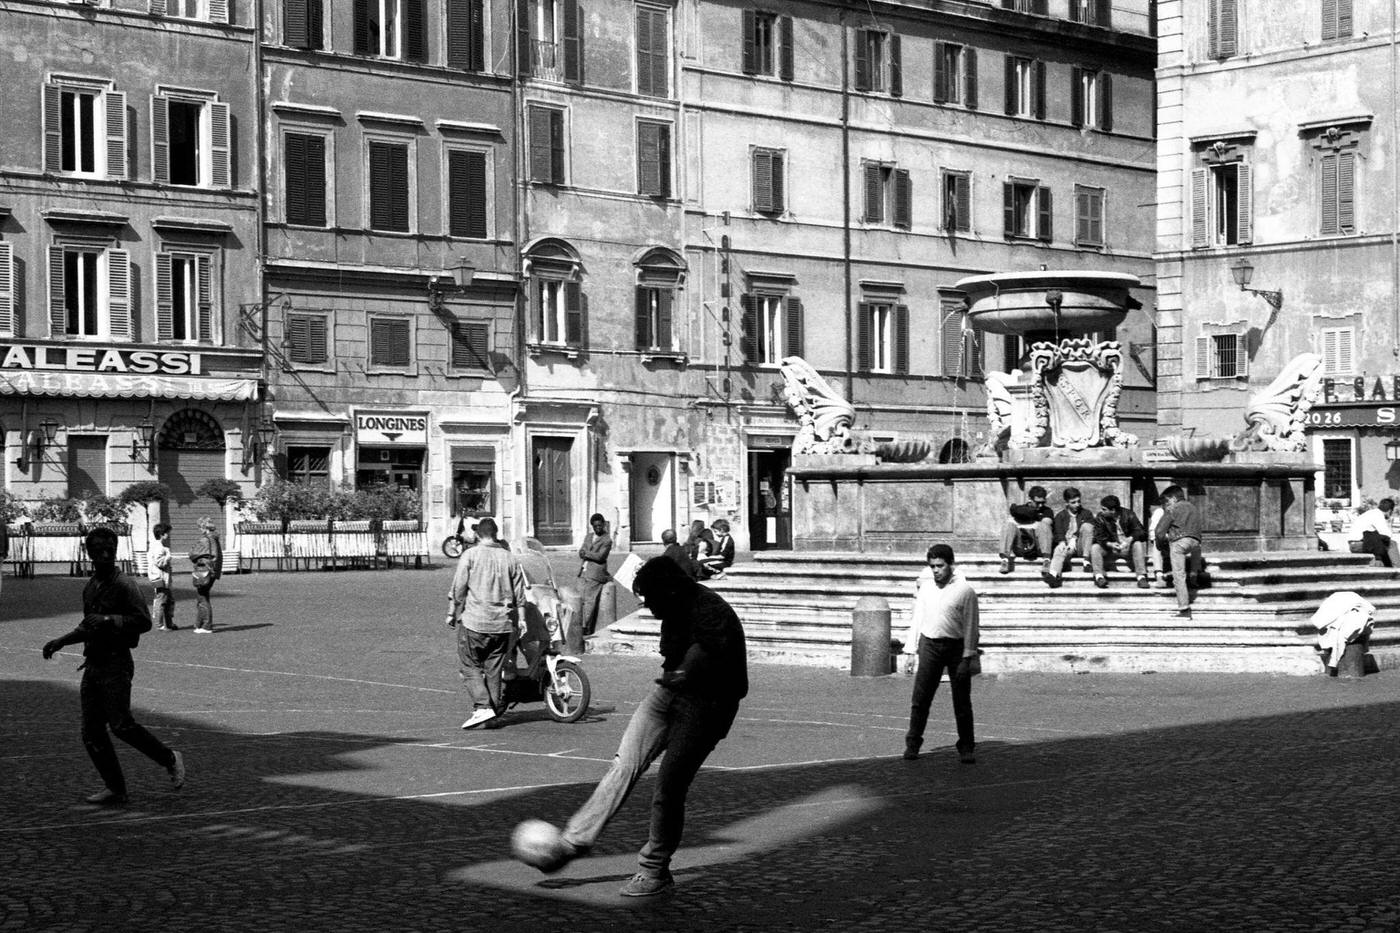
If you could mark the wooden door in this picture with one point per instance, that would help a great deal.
(553, 508)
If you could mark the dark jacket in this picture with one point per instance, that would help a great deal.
(1062, 518)
(706, 639)
(1106, 529)
(1027, 513)
(120, 598)
(683, 560)
(208, 551)
(1180, 521)
(725, 552)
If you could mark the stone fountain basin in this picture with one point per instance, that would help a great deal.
(1017, 302)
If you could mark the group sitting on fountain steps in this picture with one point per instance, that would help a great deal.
(1034, 531)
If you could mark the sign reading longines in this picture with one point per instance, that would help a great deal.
(80, 359)
(394, 428)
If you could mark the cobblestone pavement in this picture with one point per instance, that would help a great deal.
(330, 788)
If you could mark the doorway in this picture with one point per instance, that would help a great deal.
(652, 502)
(190, 451)
(770, 500)
(551, 479)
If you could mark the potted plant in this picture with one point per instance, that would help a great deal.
(144, 498)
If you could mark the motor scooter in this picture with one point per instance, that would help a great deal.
(537, 668)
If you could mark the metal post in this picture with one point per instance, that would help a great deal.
(870, 637)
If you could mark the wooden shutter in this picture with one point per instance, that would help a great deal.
(864, 361)
(903, 199)
(466, 193)
(1009, 85)
(556, 146)
(1344, 19)
(1227, 24)
(53, 128)
(1103, 13)
(1045, 214)
(1008, 208)
(218, 11)
(465, 38)
(157, 7)
(643, 318)
(312, 180)
(862, 60)
(748, 337)
(471, 345)
(785, 64)
(653, 53)
(219, 145)
(1038, 89)
(664, 339)
(165, 299)
(58, 305)
(540, 159)
(398, 164)
(390, 342)
(1200, 220)
(1076, 11)
(294, 24)
(1346, 192)
(940, 73)
(306, 338)
(119, 294)
(748, 62)
(364, 43)
(524, 45)
(204, 297)
(1245, 201)
(874, 192)
(574, 324)
(901, 339)
(1329, 193)
(1076, 96)
(1105, 101)
(116, 134)
(762, 181)
(792, 308)
(650, 170)
(1205, 356)
(969, 56)
(573, 43)
(7, 290)
(777, 192)
(1241, 355)
(643, 38)
(160, 140)
(963, 186)
(415, 40)
(388, 202)
(953, 343)
(896, 67)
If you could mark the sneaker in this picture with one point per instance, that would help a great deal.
(169, 628)
(478, 717)
(177, 771)
(967, 757)
(644, 885)
(1101, 582)
(911, 752)
(1143, 584)
(107, 798)
(1005, 565)
(1051, 580)
(203, 631)
(1184, 613)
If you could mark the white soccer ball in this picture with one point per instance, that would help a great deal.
(536, 842)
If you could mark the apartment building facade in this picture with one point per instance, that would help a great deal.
(1277, 229)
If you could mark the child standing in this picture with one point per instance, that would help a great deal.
(158, 572)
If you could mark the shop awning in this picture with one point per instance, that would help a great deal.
(101, 385)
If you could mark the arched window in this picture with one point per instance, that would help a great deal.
(557, 308)
(660, 275)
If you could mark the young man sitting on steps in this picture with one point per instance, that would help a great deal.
(1118, 534)
(1031, 520)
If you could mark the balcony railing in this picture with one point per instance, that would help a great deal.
(547, 62)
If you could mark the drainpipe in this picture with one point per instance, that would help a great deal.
(846, 202)
(260, 160)
(518, 188)
(1394, 187)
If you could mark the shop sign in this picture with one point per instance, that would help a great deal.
(1367, 416)
(391, 429)
(90, 359)
(1361, 389)
(770, 442)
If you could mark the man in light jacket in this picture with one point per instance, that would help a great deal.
(593, 572)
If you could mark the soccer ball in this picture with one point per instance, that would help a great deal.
(536, 843)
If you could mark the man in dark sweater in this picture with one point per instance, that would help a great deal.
(704, 675)
(1117, 535)
(115, 615)
(1181, 527)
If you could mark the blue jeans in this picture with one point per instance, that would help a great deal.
(105, 694)
(936, 655)
(686, 728)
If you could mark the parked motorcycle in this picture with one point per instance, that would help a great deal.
(537, 668)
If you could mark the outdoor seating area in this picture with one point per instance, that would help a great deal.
(327, 543)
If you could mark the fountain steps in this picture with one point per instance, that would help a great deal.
(797, 607)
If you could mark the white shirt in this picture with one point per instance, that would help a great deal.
(1373, 520)
(948, 611)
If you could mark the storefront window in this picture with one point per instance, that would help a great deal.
(473, 483)
(389, 466)
(309, 465)
(1336, 469)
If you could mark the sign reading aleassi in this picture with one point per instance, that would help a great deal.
(85, 359)
(395, 428)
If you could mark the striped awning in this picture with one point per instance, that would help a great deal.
(105, 385)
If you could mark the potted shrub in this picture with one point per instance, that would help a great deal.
(143, 498)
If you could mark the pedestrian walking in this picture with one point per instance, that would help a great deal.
(943, 630)
(1181, 527)
(704, 675)
(207, 555)
(115, 615)
(485, 604)
(158, 571)
(593, 572)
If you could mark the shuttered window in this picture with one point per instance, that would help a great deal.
(190, 141)
(1222, 28)
(466, 193)
(1028, 210)
(558, 312)
(767, 44)
(77, 276)
(1091, 12)
(653, 52)
(1338, 351)
(1338, 190)
(1336, 19)
(654, 159)
(302, 24)
(307, 338)
(184, 297)
(466, 35)
(954, 74)
(471, 346)
(1088, 216)
(1091, 98)
(304, 179)
(768, 176)
(7, 290)
(389, 342)
(1025, 87)
(1221, 356)
(962, 353)
(1222, 212)
(546, 130)
(84, 130)
(654, 308)
(878, 63)
(773, 328)
(882, 338)
(957, 202)
(390, 29)
(388, 187)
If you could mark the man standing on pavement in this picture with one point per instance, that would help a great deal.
(943, 630)
(593, 573)
(704, 676)
(1181, 527)
(159, 573)
(115, 615)
(484, 604)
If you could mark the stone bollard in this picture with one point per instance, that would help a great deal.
(1353, 660)
(607, 606)
(573, 605)
(870, 637)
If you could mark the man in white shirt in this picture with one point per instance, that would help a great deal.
(1373, 528)
(943, 630)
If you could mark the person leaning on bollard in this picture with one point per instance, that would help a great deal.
(593, 572)
(943, 630)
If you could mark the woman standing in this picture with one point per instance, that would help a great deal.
(207, 555)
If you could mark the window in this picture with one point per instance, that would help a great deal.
(888, 195)
(1222, 25)
(558, 307)
(390, 29)
(7, 290)
(1337, 187)
(466, 194)
(466, 35)
(768, 171)
(1091, 98)
(551, 45)
(1336, 468)
(882, 343)
(1338, 357)
(388, 187)
(304, 179)
(772, 328)
(878, 65)
(1088, 216)
(654, 159)
(189, 140)
(390, 342)
(84, 129)
(654, 313)
(546, 128)
(1026, 6)
(1091, 12)
(306, 338)
(471, 346)
(1336, 19)
(653, 52)
(1221, 195)
(309, 465)
(954, 74)
(962, 354)
(1028, 210)
(473, 469)
(214, 11)
(767, 44)
(957, 201)
(184, 297)
(303, 24)
(89, 292)
(1025, 87)
(1221, 356)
